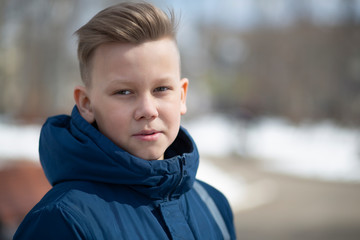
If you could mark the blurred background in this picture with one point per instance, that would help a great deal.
(274, 106)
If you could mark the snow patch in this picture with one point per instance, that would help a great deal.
(240, 193)
(19, 141)
(323, 151)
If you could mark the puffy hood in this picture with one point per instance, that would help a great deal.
(72, 149)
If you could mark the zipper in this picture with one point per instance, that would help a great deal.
(182, 163)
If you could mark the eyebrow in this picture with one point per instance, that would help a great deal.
(120, 81)
(128, 81)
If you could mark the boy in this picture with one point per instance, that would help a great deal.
(121, 166)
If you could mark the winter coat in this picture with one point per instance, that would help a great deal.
(102, 192)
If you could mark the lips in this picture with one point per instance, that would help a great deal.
(146, 132)
(148, 135)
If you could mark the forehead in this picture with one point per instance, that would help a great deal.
(165, 46)
(157, 56)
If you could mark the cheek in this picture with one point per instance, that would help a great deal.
(171, 107)
(118, 119)
(111, 121)
(171, 116)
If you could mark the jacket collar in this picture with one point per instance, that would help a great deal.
(72, 149)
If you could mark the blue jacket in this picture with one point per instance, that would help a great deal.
(102, 192)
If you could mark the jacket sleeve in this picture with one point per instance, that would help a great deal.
(55, 223)
(224, 207)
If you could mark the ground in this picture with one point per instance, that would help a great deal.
(299, 208)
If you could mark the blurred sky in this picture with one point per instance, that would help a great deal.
(245, 14)
(237, 15)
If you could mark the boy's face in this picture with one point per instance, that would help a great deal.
(136, 96)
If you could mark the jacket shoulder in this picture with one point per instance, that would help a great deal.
(222, 205)
(219, 198)
(52, 218)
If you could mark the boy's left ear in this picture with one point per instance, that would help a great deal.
(184, 87)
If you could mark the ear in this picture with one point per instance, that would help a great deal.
(183, 88)
(83, 103)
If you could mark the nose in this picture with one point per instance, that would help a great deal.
(146, 108)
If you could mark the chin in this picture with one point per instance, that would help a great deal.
(150, 156)
(153, 158)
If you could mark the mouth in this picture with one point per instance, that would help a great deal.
(148, 135)
(146, 132)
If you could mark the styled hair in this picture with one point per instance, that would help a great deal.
(123, 23)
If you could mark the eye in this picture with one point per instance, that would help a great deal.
(161, 89)
(123, 92)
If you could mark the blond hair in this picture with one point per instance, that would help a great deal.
(124, 23)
